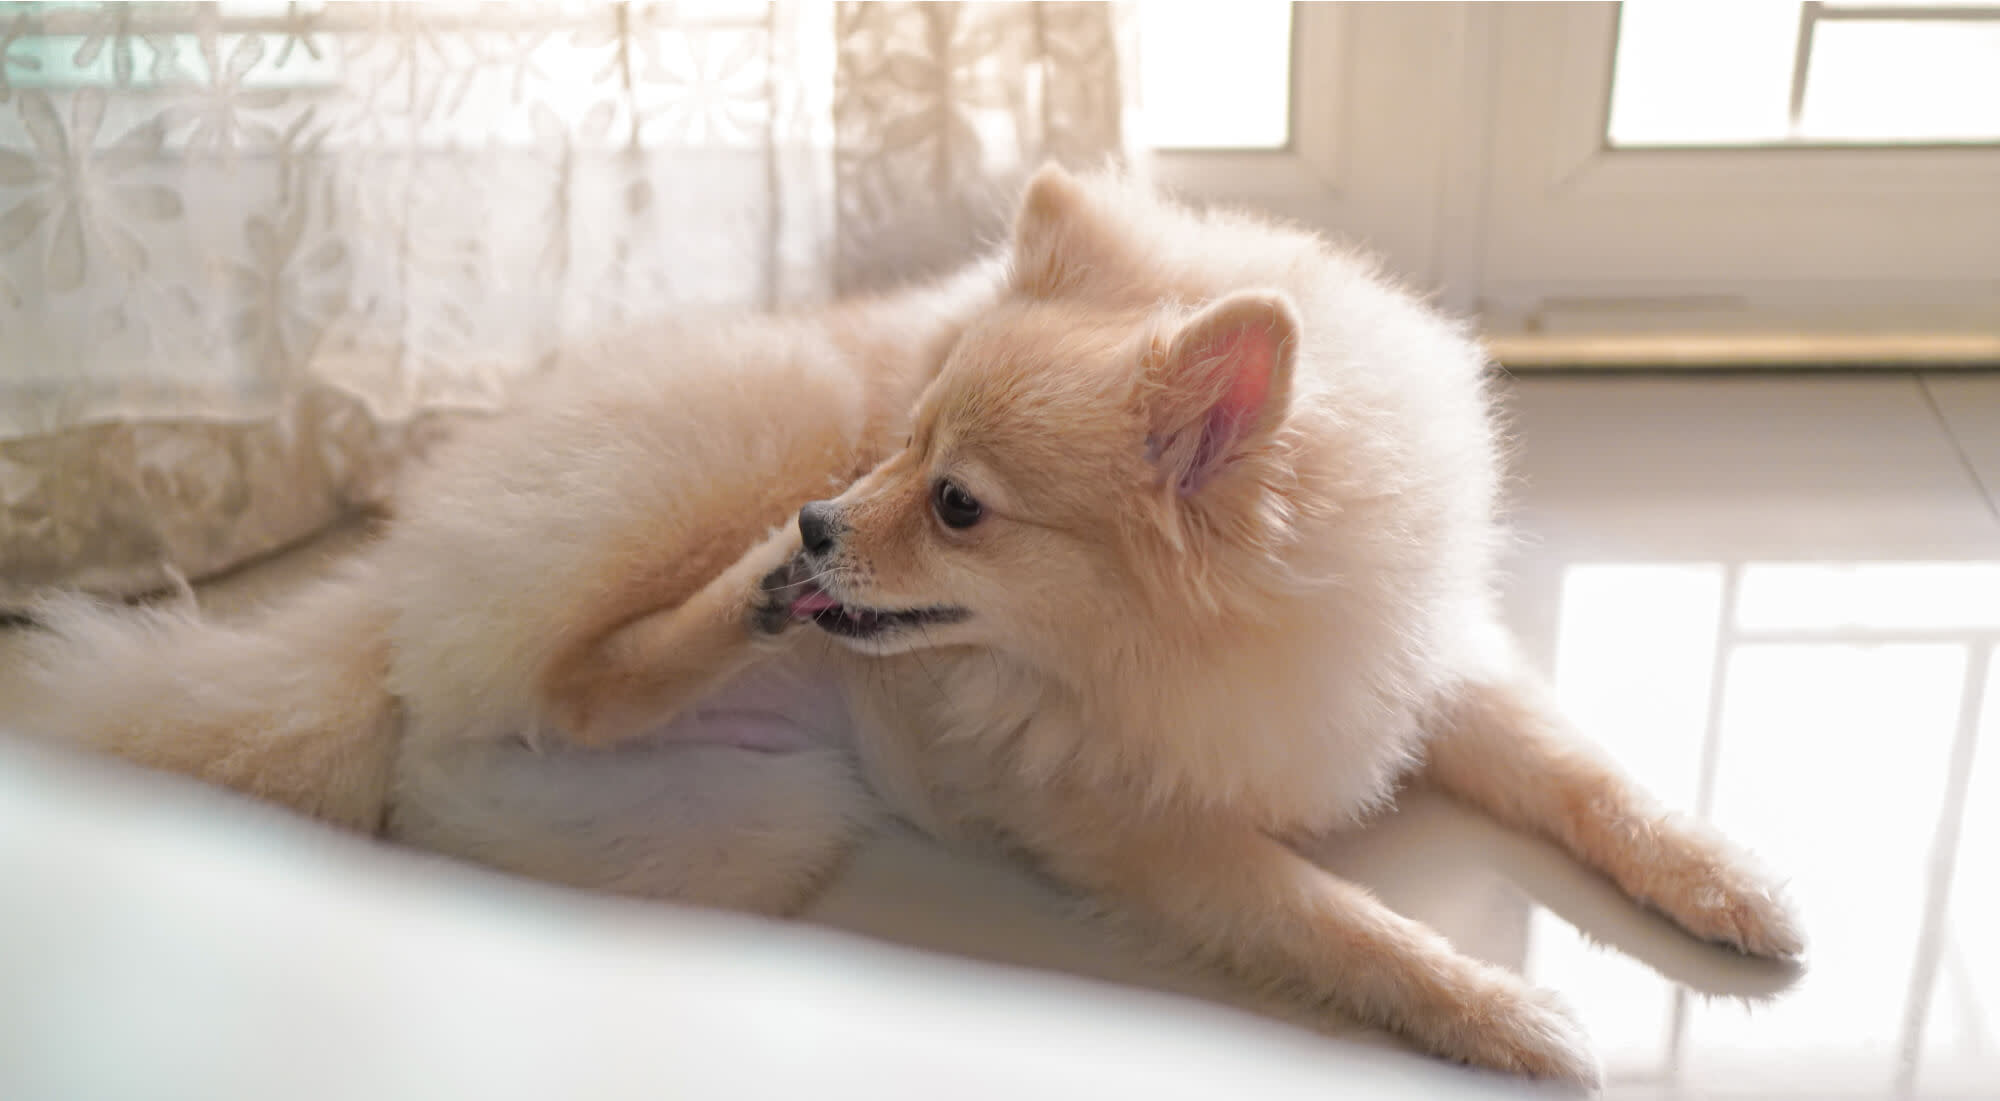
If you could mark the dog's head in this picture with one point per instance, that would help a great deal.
(1100, 455)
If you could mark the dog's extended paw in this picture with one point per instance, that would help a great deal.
(1720, 894)
(1528, 1032)
(1740, 909)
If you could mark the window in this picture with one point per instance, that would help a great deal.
(1695, 72)
(246, 43)
(1216, 76)
(1658, 182)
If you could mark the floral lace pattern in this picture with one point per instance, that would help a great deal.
(251, 252)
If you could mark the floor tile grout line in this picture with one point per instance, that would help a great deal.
(1988, 494)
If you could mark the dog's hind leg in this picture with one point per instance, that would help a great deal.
(1225, 892)
(1501, 746)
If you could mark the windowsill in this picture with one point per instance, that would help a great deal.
(1641, 350)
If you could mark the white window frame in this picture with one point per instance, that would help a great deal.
(1374, 177)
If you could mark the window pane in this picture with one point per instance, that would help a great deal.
(1699, 72)
(1216, 76)
(1879, 81)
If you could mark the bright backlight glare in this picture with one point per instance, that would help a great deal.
(1963, 1022)
(1882, 596)
(1834, 760)
(1634, 656)
(1904, 82)
(1216, 76)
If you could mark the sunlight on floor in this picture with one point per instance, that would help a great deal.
(1826, 715)
(1870, 596)
(1964, 1021)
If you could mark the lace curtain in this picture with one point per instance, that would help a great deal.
(253, 255)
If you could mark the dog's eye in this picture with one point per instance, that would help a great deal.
(955, 507)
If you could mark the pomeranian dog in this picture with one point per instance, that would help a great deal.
(1158, 544)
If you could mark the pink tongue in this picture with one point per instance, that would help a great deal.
(813, 603)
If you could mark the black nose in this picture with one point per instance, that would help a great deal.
(816, 526)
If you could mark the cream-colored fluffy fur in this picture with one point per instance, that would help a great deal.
(405, 694)
(1228, 586)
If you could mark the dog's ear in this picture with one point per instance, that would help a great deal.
(1221, 383)
(1059, 236)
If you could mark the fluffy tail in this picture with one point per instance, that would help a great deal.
(288, 705)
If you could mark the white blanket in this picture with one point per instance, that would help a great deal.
(160, 942)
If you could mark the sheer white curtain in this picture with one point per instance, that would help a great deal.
(254, 254)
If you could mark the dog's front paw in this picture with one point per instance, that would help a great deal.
(1719, 893)
(1742, 909)
(1529, 1032)
(771, 612)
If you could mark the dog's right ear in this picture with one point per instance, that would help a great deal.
(1221, 386)
(1060, 238)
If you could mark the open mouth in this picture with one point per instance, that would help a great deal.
(848, 621)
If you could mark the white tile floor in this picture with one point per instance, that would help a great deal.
(1777, 600)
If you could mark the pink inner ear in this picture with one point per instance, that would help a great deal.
(1245, 354)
